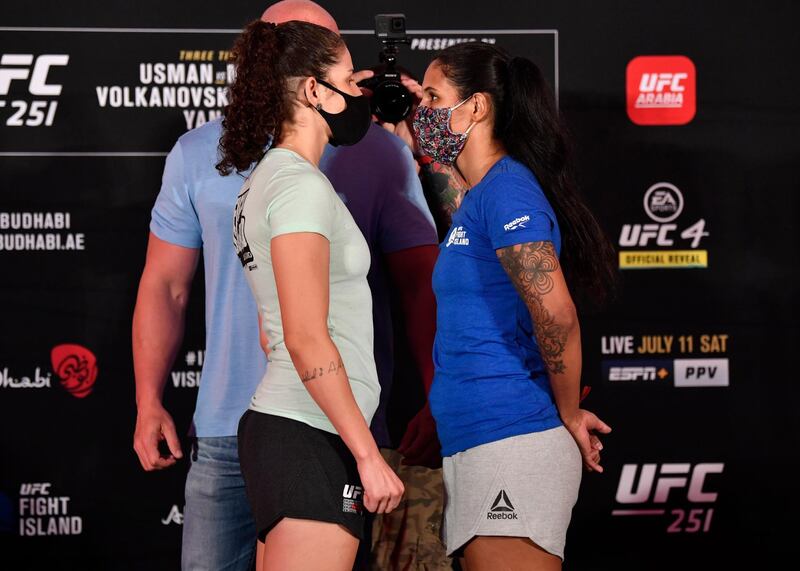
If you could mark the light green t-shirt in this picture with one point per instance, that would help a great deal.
(286, 194)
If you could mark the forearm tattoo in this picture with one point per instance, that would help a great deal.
(332, 369)
(530, 267)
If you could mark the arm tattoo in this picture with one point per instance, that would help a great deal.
(530, 267)
(318, 372)
(444, 190)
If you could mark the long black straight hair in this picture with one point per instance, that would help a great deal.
(528, 125)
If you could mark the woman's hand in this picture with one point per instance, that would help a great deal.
(383, 490)
(581, 426)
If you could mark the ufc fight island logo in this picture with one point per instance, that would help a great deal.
(26, 78)
(661, 90)
(41, 513)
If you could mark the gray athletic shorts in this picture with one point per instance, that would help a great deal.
(522, 486)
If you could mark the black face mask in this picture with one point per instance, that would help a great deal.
(348, 127)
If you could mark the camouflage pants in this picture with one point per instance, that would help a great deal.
(410, 537)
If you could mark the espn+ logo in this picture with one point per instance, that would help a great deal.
(661, 90)
(624, 373)
(33, 71)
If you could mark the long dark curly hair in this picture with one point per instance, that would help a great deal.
(260, 100)
(528, 124)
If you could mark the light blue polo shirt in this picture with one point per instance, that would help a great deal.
(377, 181)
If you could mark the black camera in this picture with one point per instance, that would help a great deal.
(391, 101)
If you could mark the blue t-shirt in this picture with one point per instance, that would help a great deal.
(376, 179)
(490, 381)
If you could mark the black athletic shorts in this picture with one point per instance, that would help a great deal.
(291, 469)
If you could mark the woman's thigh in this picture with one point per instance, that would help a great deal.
(485, 553)
(300, 544)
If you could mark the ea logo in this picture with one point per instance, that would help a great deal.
(663, 202)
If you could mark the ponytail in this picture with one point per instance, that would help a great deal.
(532, 132)
(256, 107)
(266, 56)
(528, 125)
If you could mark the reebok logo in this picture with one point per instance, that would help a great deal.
(517, 223)
(502, 508)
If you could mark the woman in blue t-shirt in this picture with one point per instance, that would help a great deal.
(508, 358)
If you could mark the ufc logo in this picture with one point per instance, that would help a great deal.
(640, 235)
(41, 489)
(352, 491)
(669, 477)
(38, 75)
(656, 82)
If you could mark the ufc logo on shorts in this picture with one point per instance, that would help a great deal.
(656, 482)
(22, 67)
(661, 90)
(352, 491)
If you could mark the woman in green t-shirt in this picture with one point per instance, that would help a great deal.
(309, 461)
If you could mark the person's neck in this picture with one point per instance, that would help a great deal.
(479, 155)
(306, 142)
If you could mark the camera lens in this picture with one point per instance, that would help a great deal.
(391, 101)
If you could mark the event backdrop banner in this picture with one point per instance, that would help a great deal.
(684, 120)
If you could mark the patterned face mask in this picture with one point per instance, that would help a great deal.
(432, 130)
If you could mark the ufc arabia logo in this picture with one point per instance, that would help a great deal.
(34, 70)
(661, 90)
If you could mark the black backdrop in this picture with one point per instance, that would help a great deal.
(700, 467)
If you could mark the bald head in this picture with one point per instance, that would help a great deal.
(303, 10)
